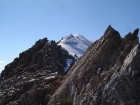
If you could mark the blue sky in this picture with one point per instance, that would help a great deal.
(23, 22)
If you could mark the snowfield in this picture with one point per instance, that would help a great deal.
(75, 44)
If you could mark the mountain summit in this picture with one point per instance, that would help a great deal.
(107, 74)
(75, 44)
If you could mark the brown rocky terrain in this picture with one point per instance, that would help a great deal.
(34, 76)
(107, 74)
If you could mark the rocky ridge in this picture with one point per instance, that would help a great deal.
(34, 76)
(107, 74)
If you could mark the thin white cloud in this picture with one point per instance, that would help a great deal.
(2, 62)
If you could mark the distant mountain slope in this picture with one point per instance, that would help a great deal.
(75, 44)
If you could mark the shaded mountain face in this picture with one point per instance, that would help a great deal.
(33, 77)
(107, 74)
(75, 44)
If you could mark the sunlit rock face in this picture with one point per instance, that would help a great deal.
(107, 74)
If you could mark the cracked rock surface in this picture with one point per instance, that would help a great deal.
(107, 74)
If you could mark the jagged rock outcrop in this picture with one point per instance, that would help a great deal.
(33, 77)
(107, 74)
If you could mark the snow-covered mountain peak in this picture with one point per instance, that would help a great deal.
(79, 36)
(69, 36)
(75, 44)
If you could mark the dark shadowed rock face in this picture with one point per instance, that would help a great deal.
(107, 74)
(33, 77)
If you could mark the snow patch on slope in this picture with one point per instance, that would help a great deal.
(69, 61)
(75, 44)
